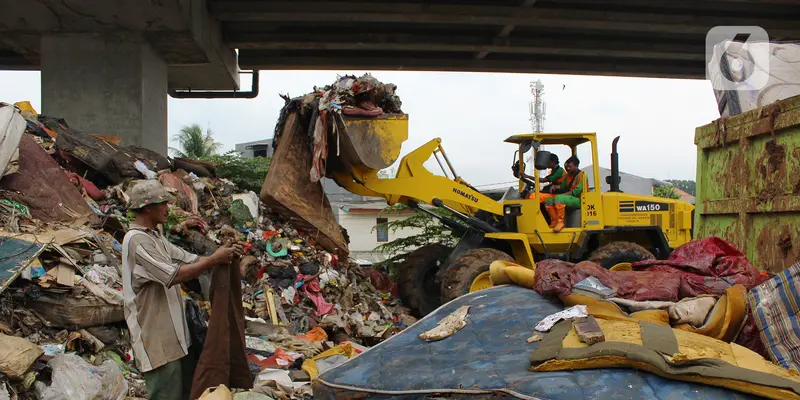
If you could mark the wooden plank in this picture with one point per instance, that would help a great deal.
(65, 275)
(108, 253)
(299, 376)
(588, 330)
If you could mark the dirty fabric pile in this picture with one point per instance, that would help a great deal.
(701, 288)
(63, 214)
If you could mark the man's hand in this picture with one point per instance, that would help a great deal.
(238, 249)
(224, 255)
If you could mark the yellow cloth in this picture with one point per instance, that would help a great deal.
(726, 318)
(310, 365)
(220, 392)
(690, 346)
(723, 322)
(26, 106)
(508, 273)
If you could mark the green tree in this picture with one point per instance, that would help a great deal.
(193, 143)
(667, 192)
(687, 186)
(246, 173)
(429, 228)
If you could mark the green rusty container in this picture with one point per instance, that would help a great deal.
(748, 183)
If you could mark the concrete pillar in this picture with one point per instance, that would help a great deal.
(108, 84)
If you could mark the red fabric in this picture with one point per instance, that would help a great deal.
(89, 187)
(380, 280)
(311, 289)
(281, 360)
(364, 109)
(556, 278)
(706, 266)
(186, 197)
(42, 185)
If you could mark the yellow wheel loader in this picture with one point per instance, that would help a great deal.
(610, 228)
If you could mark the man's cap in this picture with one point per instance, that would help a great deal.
(147, 192)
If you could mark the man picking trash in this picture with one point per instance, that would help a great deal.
(152, 271)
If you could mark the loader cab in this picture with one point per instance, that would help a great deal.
(532, 160)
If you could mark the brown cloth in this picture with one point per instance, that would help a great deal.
(224, 358)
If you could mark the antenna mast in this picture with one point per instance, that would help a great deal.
(538, 108)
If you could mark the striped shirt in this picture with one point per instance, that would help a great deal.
(154, 308)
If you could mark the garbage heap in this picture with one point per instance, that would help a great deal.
(63, 216)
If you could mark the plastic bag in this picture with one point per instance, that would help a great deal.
(75, 379)
(4, 392)
(196, 323)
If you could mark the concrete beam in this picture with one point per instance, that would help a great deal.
(513, 63)
(600, 47)
(426, 13)
(181, 31)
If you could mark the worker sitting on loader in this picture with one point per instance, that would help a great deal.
(553, 180)
(568, 194)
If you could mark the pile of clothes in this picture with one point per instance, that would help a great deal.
(63, 215)
(702, 288)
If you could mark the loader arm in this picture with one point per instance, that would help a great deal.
(414, 182)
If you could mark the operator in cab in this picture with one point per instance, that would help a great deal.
(567, 194)
(554, 179)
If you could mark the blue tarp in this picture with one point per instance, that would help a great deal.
(490, 354)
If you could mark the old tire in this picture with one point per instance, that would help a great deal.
(416, 278)
(460, 275)
(620, 252)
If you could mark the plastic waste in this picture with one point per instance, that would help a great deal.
(592, 286)
(573, 312)
(52, 350)
(141, 167)
(4, 393)
(75, 379)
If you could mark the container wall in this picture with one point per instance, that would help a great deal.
(748, 183)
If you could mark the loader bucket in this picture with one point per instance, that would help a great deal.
(289, 190)
(370, 143)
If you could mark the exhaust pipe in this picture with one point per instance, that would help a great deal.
(614, 179)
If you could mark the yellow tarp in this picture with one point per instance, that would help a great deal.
(344, 349)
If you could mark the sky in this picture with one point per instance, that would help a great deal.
(474, 112)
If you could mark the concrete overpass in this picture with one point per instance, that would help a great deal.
(107, 66)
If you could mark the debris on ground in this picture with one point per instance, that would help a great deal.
(447, 326)
(573, 312)
(537, 337)
(63, 214)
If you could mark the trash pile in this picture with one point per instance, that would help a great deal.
(63, 215)
(348, 96)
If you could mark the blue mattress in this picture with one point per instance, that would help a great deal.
(489, 357)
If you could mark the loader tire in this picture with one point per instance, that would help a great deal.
(620, 252)
(460, 275)
(416, 278)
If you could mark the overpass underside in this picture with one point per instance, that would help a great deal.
(651, 38)
(107, 66)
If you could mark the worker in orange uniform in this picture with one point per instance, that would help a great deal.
(554, 180)
(568, 196)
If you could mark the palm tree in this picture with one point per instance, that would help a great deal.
(194, 143)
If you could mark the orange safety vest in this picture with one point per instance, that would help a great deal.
(573, 184)
(559, 180)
